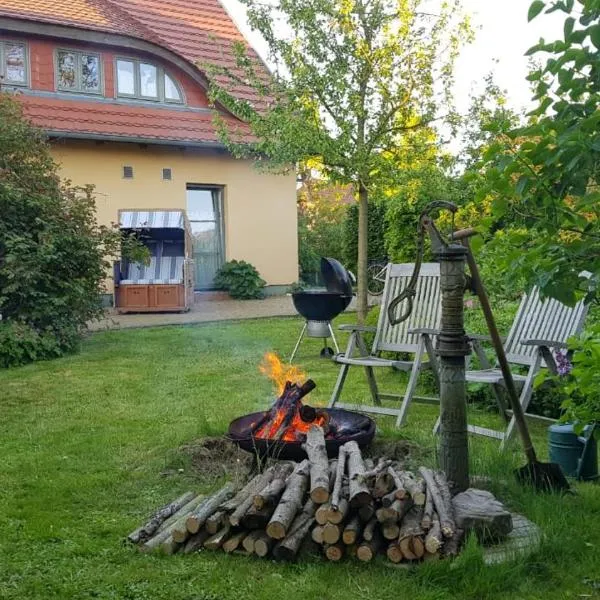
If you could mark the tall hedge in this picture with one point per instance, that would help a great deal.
(53, 253)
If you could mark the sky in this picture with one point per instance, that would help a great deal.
(502, 37)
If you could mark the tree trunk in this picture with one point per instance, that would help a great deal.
(363, 252)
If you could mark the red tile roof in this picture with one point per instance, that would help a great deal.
(200, 31)
(114, 121)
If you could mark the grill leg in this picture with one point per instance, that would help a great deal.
(337, 348)
(298, 343)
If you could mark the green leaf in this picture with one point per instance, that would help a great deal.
(595, 35)
(535, 9)
(568, 28)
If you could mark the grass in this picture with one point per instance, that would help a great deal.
(84, 439)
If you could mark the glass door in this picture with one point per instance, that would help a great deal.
(205, 212)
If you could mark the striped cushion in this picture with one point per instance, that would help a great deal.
(166, 270)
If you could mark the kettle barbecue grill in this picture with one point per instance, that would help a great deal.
(319, 306)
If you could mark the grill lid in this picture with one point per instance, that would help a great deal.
(337, 278)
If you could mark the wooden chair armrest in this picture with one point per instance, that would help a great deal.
(547, 343)
(477, 337)
(424, 331)
(359, 328)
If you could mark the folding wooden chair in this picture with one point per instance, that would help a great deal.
(539, 327)
(412, 336)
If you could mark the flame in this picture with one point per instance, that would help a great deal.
(279, 373)
(296, 430)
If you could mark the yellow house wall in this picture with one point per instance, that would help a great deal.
(260, 220)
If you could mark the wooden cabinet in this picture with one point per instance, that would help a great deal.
(150, 298)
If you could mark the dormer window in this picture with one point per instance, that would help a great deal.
(13, 63)
(146, 81)
(78, 72)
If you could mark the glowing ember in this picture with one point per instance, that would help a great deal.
(279, 373)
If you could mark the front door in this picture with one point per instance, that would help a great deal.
(205, 212)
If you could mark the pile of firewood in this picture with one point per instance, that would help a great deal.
(348, 506)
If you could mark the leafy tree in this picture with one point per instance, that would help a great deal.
(53, 254)
(543, 180)
(351, 78)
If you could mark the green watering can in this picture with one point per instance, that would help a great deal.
(577, 455)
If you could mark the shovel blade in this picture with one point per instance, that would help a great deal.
(546, 477)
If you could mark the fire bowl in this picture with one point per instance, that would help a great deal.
(347, 426)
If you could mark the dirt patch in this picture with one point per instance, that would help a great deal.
(405, 452)
(216, 457)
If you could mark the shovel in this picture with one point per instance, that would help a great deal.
(542, 476)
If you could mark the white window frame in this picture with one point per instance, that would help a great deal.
(137, 84)
(78, 89)
(4, 82)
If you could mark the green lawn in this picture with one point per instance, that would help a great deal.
(84, 439)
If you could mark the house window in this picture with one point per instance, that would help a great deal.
(146, 81)
(167, 175)
(13, 63)
(127, 172)
(78, 71)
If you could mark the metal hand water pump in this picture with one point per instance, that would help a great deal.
(452, 343)
(452, 347)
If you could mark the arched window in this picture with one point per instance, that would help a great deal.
(146, 81)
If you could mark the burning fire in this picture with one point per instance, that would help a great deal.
(279, 373)
(288, 419)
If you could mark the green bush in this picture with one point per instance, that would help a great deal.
(241, 280)
(53, 254)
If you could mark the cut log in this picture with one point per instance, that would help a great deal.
(414, 487)
(384, 484)
(288, 548)
(271, 494)
(479, 511)
(366, 512)
(262, 545)
(334, 552)
(337, 516)
(394, 512)
(257, 519)
(352, 531)
(290, 502)
(170, 546)
(394, 553)
(249, 540)
(433, 539)
(319, 464)
(198, 516)
(369, 530)
(444, 488)
(367, 550)
(148, 529)
(370, 475)
(339, 476)
(173, 522)
(196, 541)
(411, 533)
(234, 541)
(322, 514)
(253, 487)
(331, 533)
(317, 534)
(398, 483)
(359, 492)
(242, 508)
(428, 511)
(443, 509)
(452, 546)
(214, 542)
(215, 522)
(390, 530)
